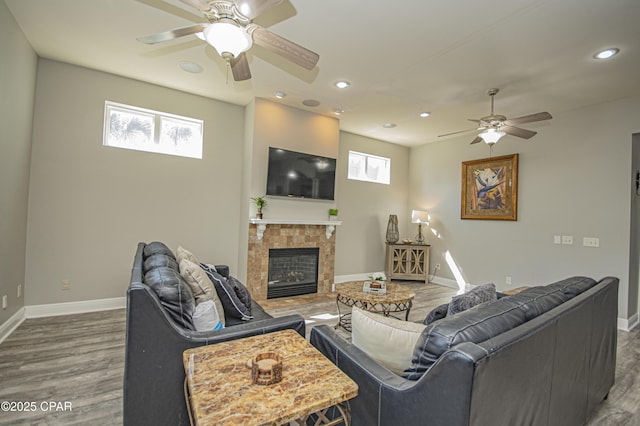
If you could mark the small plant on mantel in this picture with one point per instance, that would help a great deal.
(260, 203)
(333, 214)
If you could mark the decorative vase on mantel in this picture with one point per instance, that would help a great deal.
(259, 213)
(393, 235)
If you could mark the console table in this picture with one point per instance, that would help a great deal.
(407, 262)
(221, 392)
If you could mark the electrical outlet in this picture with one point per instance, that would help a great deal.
(508, 280)
(591, 242)
(66, 284)
(5, 302)
(19, 291)
(567, 240)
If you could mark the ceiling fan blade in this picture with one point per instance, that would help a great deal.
(476, 140)
(517, 131)
(172, 34)
(474, 120)
(240, 68)
(529, 118)
(201, 5)
(283, 47)
(455, 133)
(252, 8)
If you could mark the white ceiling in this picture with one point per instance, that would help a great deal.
(401, 57)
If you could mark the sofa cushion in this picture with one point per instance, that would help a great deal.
(233, 306)
(574, 286)
(389, 341)
(536, 301)
(475, 296)
(159, 259)
(157, 247)
(174, 293)
(475, 325)
(207, 317)
(436, 313)
(200, 284)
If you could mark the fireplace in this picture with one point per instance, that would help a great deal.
(292, 271)
(266, 234)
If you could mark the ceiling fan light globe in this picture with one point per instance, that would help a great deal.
(227, 38)
(491, 136)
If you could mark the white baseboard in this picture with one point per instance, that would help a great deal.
(68, 308)
(353, 277)
(11, 324)
(444, 281)
(628, 324)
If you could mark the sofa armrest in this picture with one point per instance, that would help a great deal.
(250, 328)
(223, 270)
(438, 398)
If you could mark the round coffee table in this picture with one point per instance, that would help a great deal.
(396, 299)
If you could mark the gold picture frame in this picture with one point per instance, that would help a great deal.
(490, 188)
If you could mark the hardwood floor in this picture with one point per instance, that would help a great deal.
(79, 359)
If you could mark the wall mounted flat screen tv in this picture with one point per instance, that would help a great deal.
(295, 174)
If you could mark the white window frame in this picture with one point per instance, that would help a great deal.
(148, 134)
(367, 172)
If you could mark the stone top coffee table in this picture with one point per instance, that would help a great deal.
(396, 299)
(222, 392)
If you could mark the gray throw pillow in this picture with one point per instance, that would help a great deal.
(228, 295)
(436, 313)
(476, 296)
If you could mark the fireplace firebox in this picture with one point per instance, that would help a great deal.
(292, 272)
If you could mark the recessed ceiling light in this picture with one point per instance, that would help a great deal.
(191, 67)
(279, 95)
(389, 125)
(310, 103)
(607, 53)
(338, 111)
(342, 84)
(425, 114)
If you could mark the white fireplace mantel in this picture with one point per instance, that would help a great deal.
(261, 224)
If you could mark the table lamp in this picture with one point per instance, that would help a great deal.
(419, 217)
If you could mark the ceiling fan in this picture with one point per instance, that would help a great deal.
(494, 126)
(231, 32)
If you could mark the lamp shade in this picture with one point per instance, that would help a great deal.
(419, 216)
(491, 136)
(228, 38)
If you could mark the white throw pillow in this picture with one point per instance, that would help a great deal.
(206, 317)
(200, 284)
(182, 253)
(389, 341)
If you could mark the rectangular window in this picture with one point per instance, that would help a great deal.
(369, 168)
(141, 129)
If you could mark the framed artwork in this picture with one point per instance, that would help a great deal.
(490, 188)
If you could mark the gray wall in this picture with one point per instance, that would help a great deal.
(365, 207)
(89, 205)
(574, 179)
(17, 87)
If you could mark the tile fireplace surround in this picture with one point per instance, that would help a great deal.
(268, 234)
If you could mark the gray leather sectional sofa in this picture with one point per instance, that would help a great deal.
(158, 331)
(545, 356)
